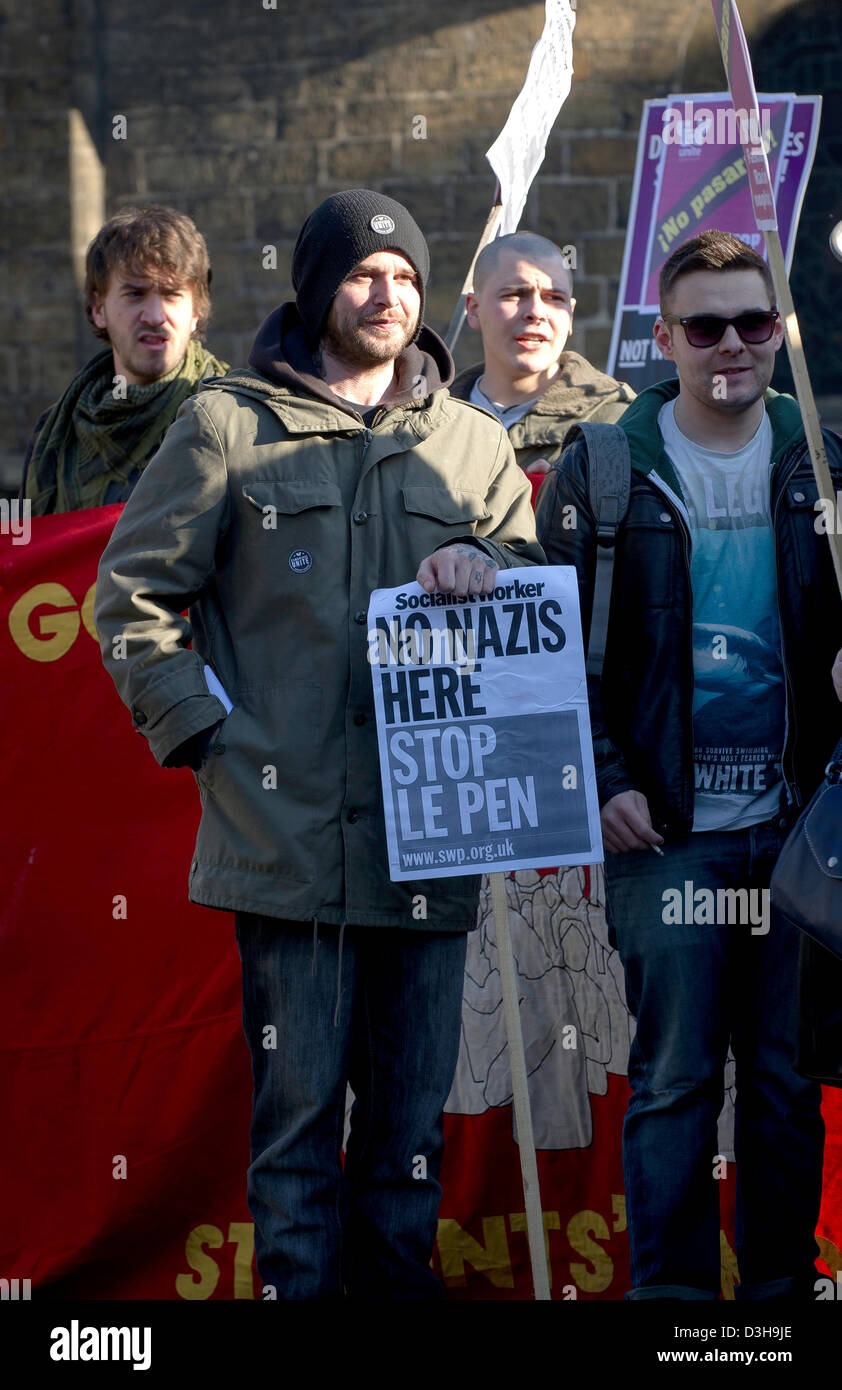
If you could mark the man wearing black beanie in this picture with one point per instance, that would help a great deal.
(344, 230)
(284, 494)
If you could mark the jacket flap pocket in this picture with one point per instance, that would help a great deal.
(446, 504)
(801, 496)
(823, 830)
(648, 511)
(296, 495)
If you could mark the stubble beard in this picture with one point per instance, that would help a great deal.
(358, 348)
(150, 372)
(147, 366)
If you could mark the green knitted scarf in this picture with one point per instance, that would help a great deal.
(92, 439)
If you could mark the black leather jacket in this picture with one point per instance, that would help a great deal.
(641, 711)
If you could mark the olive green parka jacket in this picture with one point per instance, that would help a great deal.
(579, 392)
(273, 511)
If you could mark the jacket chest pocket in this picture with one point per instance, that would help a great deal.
(806, 526)
(648, 552)
(304, 515)
(292, 498)
(437, 514)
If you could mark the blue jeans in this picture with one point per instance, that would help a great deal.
(695, 987)
(392, 1031)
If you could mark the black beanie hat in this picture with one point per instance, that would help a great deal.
(340, 233)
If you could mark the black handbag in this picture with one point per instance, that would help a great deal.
(806, 888)
(818, 1045)
(806, 883)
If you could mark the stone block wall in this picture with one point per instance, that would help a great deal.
(245, 114)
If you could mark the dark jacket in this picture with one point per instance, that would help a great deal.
(642, 710)
(579, 392)
(274, 511)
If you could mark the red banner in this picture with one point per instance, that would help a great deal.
(126, 1082)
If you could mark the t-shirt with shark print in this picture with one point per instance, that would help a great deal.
(739, 710)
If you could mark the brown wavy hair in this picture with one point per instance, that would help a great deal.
(711, 250)
(154, 238)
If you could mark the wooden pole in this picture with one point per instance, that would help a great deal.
(520, 1091)
(488, 234)
(804, 390)
(737, 64)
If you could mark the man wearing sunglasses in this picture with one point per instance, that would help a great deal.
(712, 723)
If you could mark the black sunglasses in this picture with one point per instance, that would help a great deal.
(705, 330)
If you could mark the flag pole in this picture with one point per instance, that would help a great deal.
(518, 152)
(520, 1090)
(489, 232)
(803, 389)
(516, 157)
(737, 63)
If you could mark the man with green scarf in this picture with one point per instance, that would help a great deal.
(147, 294)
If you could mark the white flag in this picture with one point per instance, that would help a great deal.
(518, 152)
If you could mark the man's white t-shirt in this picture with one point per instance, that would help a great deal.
(508, 415)
(739, 709)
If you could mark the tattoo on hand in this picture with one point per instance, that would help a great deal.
(477, 558)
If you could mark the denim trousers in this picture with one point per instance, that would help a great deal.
(379, 1008)
(695, 986)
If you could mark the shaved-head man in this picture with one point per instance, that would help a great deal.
(523, 304)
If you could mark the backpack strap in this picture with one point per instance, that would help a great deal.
(609, 486)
